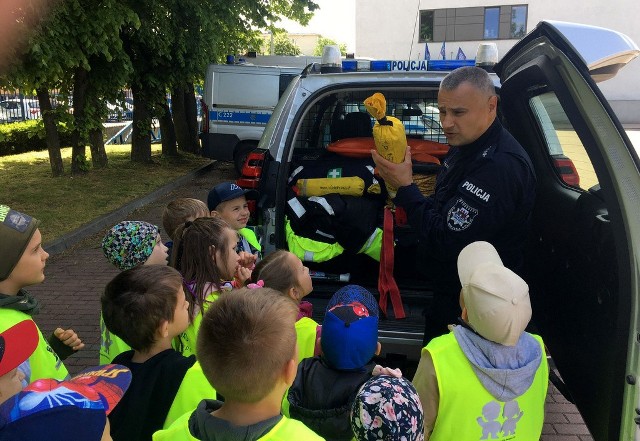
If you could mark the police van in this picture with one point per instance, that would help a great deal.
(583, 253)
(238, 100)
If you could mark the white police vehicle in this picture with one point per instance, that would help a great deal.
(583, 256)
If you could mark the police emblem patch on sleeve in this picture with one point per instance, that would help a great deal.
(460, 216)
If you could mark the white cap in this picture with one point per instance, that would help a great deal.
(496, 298)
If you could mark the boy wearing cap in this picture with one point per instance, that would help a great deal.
(147, 307)
(126, 245)
(22, 262)
(325, 386)
(44, 408)
(247, 348)
(487, 378)
(228, 201)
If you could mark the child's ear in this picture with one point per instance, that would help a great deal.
(163, 329)
(464, 315)
(290, 370)
(378, 349)
(214, 213)
(292, 293)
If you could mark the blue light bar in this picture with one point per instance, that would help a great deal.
(380, 65)
(450, 64)
(349, 65)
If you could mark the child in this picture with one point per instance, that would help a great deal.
(387, 408)
(77, 399)
(247, 347)
(228, 201)
(22, 262)
(284, 272)
(204, 253)
(487, 377)
(126, 245)
(147, 307)
(323, 391)
(179, 211)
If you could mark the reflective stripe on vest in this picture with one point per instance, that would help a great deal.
(309, 250)
(467, 411)
(306, 332)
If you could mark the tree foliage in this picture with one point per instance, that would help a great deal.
(323, 41)
(283, 45)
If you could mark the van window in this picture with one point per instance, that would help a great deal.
(566, 152)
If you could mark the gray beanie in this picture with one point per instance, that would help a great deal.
(16, 230)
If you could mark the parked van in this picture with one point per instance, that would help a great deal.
(238, 101)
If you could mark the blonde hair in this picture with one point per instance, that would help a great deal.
(246, 338)
(180, 210)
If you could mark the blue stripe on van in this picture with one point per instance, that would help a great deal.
(234, 116)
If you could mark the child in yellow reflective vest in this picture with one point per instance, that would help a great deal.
(146, 306)
(285, 272)
(247, 349)
(22, 263)
(487, 378)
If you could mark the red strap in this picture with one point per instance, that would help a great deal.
(400, 217)
(386, 283)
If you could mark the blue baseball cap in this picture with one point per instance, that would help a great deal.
(227, 191)
(349, 336)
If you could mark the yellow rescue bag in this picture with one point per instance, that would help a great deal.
(388, 133)
(348, 186)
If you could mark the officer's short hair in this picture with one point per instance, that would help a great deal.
(476, 76)
(245, 340)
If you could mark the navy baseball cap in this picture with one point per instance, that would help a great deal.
(349, 336)
(227, 191)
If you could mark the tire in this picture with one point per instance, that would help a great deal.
(240, 154)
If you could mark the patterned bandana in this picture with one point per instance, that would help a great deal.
(130, 243)
(387, 408)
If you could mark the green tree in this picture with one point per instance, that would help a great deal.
(283, 45)
(323, 41)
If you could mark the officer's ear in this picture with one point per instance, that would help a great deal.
(493, 103)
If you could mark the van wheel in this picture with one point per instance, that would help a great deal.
(240, 154)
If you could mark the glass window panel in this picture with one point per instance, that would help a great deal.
(518, 21)
(491, 22)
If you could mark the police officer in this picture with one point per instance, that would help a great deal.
(484, 191)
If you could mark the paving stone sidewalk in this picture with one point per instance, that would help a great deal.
(75, 278)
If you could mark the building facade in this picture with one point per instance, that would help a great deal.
(452, 28)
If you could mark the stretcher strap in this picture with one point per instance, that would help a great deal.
(386, 283)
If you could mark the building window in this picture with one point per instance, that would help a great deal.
(518, 21)
(426, 26)
(491, 23)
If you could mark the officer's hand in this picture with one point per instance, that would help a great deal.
(395, 175)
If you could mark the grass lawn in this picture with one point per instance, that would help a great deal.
(65, 203)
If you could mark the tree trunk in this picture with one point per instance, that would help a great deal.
(98, 153)
(180, 118)
(192, 117)
(51, 132)
(78, 141)
(168, 132)
(140, 139)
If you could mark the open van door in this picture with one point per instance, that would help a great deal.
(584, 250)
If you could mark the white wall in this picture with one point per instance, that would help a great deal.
(390, 30)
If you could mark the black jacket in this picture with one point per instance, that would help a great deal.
(321, 397)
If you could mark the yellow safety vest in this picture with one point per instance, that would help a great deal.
(194, 388)
(306, 332)
(110, 344)
(44, 362)
(286, 430)
(309, 250)
(467, 411)
(188, 337)
(248, 234)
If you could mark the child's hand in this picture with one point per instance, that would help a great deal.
(381, 370)
(69, 338)
(247, 260)
(242, 275)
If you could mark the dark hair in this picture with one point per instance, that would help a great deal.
(137, 301)
(276, 272)
(194, 257)
(476, 76)
(243, 326)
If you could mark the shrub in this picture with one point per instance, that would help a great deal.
(29, 136)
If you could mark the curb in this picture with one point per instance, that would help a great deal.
(70, 239)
